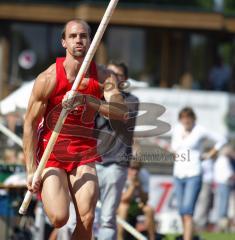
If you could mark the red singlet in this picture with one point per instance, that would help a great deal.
(75, 145)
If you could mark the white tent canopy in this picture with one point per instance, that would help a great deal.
(18, 100)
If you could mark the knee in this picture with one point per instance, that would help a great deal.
(59, 220)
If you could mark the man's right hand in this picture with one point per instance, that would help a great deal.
(69, 102)
(33, 185)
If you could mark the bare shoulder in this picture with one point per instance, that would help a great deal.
(45, 82)
(49, 76)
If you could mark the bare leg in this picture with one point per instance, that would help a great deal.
(122, 213)
(149, 216)
(84, 191)
(188, 227)
(53, 235)
(55, 196)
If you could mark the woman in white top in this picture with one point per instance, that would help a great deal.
(187, 144)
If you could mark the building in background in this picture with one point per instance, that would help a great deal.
(168, 43)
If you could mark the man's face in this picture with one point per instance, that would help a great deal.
(77, 39)
(118, 71)
(187, 122)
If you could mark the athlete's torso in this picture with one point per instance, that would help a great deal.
(75, 138)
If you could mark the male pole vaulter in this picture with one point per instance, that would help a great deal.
(65, 174)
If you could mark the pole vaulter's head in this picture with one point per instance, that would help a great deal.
(76, 37)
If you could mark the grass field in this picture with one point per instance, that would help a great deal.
(211, 236)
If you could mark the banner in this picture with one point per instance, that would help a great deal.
(214, 110)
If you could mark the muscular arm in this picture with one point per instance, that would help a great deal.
(42, 89)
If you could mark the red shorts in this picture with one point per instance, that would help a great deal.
(69, 166)
(64, 158)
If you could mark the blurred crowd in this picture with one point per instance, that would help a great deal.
(220, 78)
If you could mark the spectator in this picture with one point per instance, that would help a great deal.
(187, 143)
(186, 81)
(9, 156)
(220, 75)
(223, 189)
(204, 203)
(112, 171)
(134, 199)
